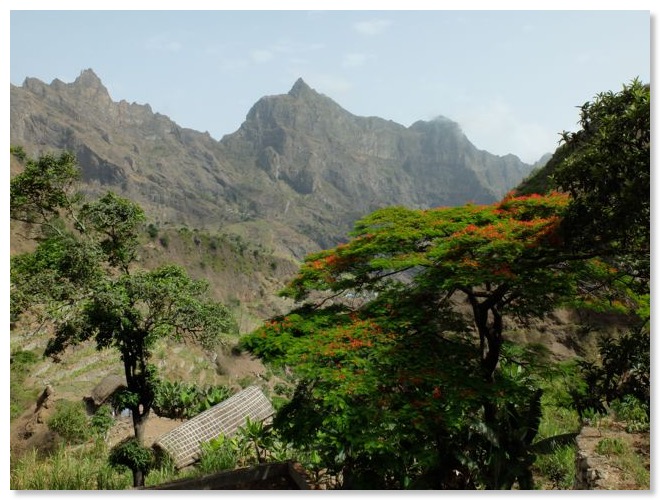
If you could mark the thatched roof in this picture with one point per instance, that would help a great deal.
(106, 388)
(183, 442)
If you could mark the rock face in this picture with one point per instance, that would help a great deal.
(299, 161)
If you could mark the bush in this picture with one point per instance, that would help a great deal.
(221, 453)
(633, 412)
(70, 422)
(624, 372)
(152, 231)
(180, 400)
(131, 454)
(102, 421)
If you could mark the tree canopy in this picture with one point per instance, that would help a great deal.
(84, 281)
(405, 375)
(387, 354)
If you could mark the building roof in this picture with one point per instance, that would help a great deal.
(183, 442)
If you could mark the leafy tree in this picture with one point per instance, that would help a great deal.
(132, 454)
(82, 279)
(623, 370)
(605, 167)
(606, 170)
(393, 334)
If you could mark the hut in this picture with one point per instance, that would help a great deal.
(183, 442)
(104, 391)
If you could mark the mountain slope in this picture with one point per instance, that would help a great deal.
(300, 163)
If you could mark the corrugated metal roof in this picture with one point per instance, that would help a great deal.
(183, 442)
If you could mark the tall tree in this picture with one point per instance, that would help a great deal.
(405, 271)
(82, 278)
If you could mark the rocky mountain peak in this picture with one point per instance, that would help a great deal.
(88, 85)
(299, 160)
(89, 79)
(300, 88)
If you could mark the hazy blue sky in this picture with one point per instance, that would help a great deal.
(511, 79)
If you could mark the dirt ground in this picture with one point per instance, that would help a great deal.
(30, 431)
(609, 475)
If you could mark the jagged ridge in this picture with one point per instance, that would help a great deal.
(299, 161)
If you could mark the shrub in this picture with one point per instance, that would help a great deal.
(70, 422)
(131, 454)
(221, 453)
(182, 401)
(633, 412)
(624, 371)
(102, 421)
(152, 231)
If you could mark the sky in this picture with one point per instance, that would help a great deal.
(513, 80)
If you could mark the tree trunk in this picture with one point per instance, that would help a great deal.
(138, 478)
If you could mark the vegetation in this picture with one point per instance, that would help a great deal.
(70, 422)
(83, 468)
(20, 395)
(401, 352)
(396, 388)
(82, 278)
(183, 401)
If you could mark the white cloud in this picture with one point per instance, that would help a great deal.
(261, 55)
(285, 47)
(496, 128)
(372, 27)
(163, 43)
(354, 60)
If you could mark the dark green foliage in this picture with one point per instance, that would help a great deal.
(102, 421)
(45, 187)
(183, 401)
(81, 279)
(117, 221)
(70, 421)
(152, 231)
(132, 455)
(621, 376)
(607, 171)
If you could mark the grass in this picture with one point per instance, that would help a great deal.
(622, 456)
(82, 468)
(21, 397)
(611, 446)
(556, 470)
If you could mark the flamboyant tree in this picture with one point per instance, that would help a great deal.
(83, 281)
(396, 285)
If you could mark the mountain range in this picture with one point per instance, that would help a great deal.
(295, 176)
